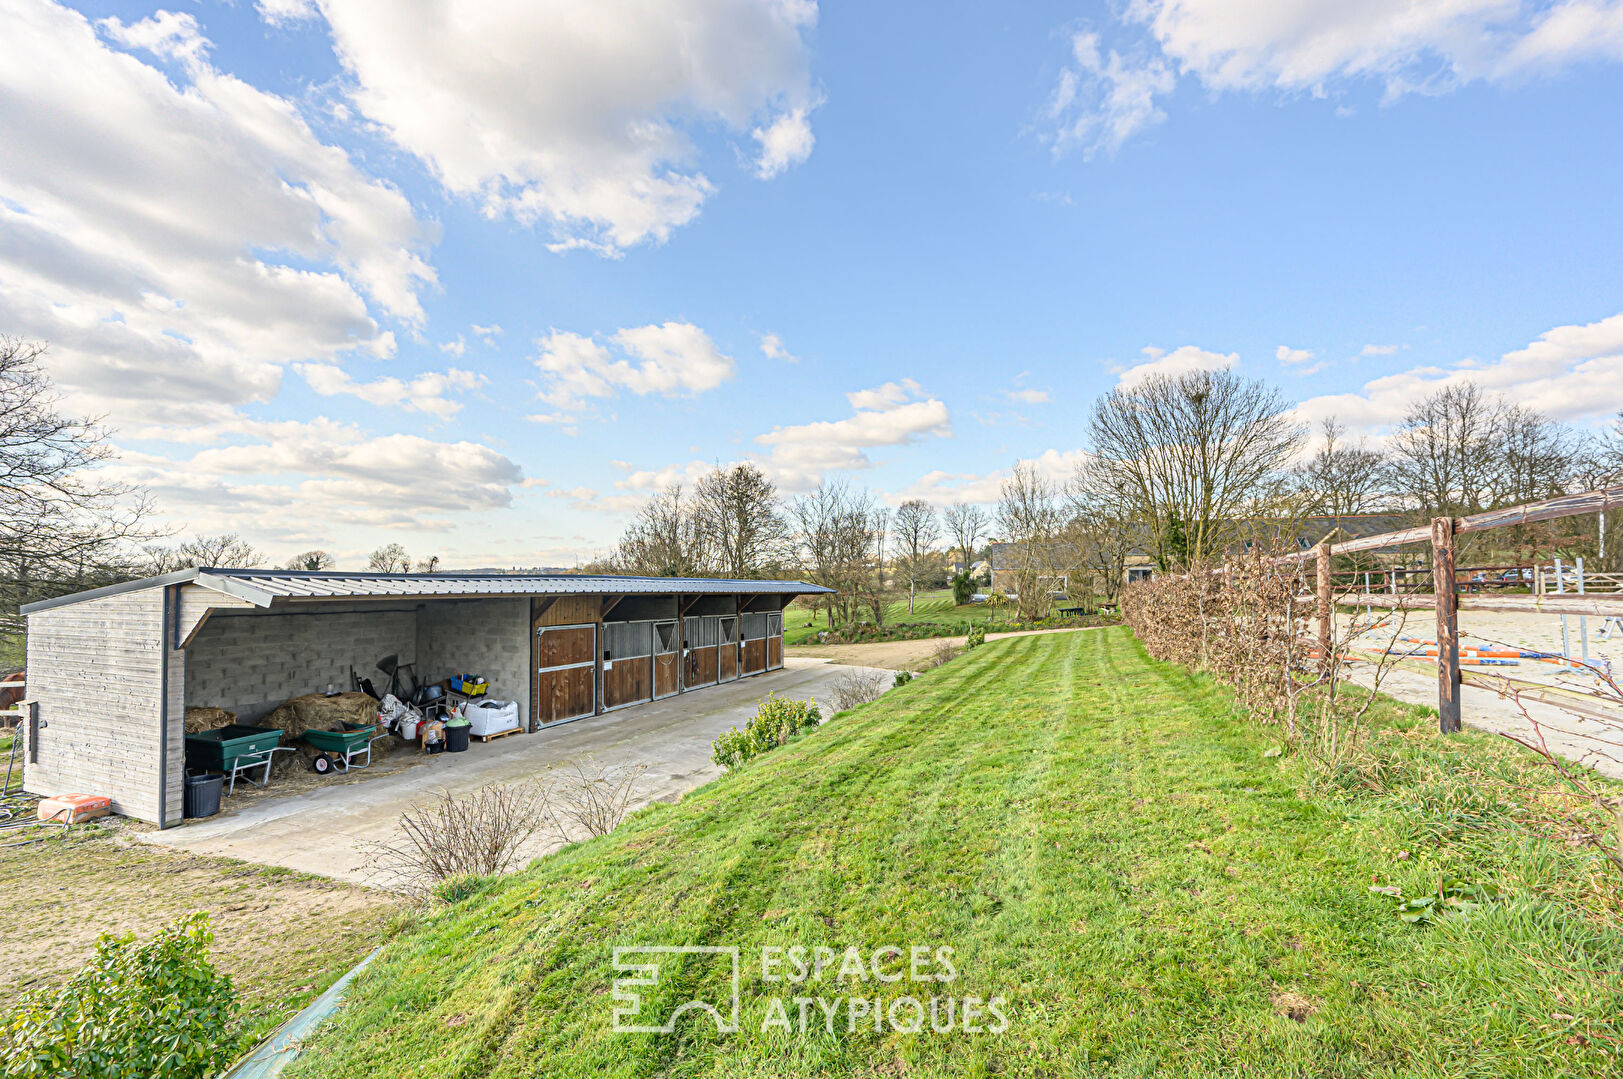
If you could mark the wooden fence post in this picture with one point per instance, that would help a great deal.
(1448, 635)
(1325, 611)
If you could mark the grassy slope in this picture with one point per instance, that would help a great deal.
(927, 607)
(1097, 837)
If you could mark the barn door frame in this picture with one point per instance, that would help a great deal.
(675, 625)
(597, 673)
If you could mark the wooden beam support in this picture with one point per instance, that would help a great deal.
(542, 606)
(1591, 604)
(1448, 628)
(1326, 610)
(609, 604)
(684, 608)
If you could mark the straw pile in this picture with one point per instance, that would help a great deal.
(206, 719)
(315, 711)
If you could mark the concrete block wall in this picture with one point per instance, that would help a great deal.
(251, 663)
(479, 636)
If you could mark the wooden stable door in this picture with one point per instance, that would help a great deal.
(566, 673)
(727, 649)
(667, 655)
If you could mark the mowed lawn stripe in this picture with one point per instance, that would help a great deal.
(1100, 838)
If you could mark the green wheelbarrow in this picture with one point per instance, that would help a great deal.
(340, 749)
(236, 750)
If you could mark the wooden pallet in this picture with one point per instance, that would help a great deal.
(499, 734)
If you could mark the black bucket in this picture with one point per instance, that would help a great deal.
(456, 738)
(202, 796)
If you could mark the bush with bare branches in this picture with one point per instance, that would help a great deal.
(584, 796)
(858, 687)
(482, 834)
(469, 835)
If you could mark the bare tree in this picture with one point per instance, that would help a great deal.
(1031, 519)
(63, 524)
(1443, 452)
(311, 561)
(838, 546)
(1343, 479)
(1103, 527)
(225, 551)
(966, 524)
(1197, 453)
(742, 521)
(665, 538)
(1538, 457)
(390, 558)
(429, 564)
(917, 531)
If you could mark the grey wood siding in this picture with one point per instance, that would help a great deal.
(97, 670)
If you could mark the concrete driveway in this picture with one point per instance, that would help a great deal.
(323, 831)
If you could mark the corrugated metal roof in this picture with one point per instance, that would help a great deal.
(263, 586)
(338, 585)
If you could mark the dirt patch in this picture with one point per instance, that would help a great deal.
(281, 936)
(901, 655)
(1293, 1005)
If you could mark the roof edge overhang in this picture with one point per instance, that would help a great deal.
(240, 585)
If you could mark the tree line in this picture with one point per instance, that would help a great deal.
(1175, 470)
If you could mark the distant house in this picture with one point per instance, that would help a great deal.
(1064, 569)
(1305, 533)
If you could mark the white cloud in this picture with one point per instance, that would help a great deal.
(1292, 356)
(773, 348)
(1378, 350)
(302, 480)
(1570, 373)
(424, 393)
(1177, 362)
(642, 479)
(577, 113)
(487, 334)
(886, 415)
(283, 12)
(1317, 47)
(785, 143)
(455, 348)
(676, 358)
(1102, 100)
(1027, 396)
(171, 35)
(178, 242)
(887, 396)
(941, 488)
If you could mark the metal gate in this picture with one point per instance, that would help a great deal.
(566, 673)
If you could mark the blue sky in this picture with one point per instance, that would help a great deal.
(478, 278)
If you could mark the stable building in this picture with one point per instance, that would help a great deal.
(112, 671)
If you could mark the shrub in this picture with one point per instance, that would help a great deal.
(976, 637)
(962, 589)
(774, 723)
(945, 652)
(474, 835)
(857, 687)
(587, 796)
(148, 1008)
(902, 678)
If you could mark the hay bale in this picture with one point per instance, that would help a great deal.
(316, 711)
(207, 719)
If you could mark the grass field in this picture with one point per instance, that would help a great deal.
(1099, 839)
(927, 607)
